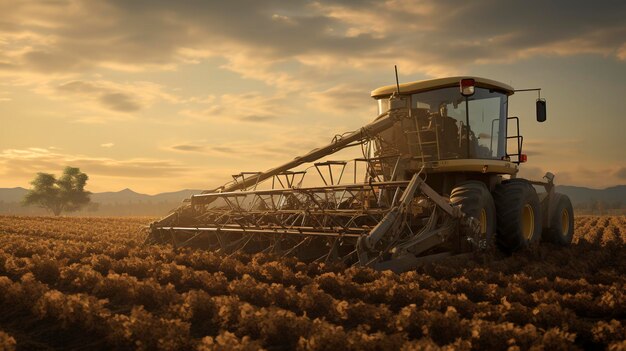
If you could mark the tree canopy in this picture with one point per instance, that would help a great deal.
(65, 194)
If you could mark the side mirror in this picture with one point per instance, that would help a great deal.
(541, 110)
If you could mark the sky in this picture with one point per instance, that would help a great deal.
(165, 95)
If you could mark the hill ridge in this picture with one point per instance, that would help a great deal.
(578, 194)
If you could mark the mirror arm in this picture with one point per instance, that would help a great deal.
(538, 90)
(541, 104)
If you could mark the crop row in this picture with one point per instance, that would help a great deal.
(98, 278)
(228, 319)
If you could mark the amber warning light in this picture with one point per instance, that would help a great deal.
(523, 158)
(467, 87)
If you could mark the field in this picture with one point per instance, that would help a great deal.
(90, 284)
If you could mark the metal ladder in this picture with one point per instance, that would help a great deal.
(420, 145)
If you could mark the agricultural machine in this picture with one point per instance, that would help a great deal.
(435, 176)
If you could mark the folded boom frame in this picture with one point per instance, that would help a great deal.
(381, 222)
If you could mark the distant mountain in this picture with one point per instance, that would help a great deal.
(12, 194)
(125, 202)
(125, 195)
(130, 203)
(177, 196)
(580, 195)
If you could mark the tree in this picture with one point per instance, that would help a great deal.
(57, 195)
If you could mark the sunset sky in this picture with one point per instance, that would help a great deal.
(165, 95)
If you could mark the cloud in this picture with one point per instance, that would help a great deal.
(553, 148)
(107, 145)
(27, 162)
(556, 155)
(600, 177)
(532, 173)
(79, 87)
(119, 102)
(18, 166)
(48, 61)
(188, 147)
(247, 107)
(111, 98)
(621, 53)
(103, 100)
(258, 38)
(317, 56)
(341, 98)
(293, 142)
(238, 149)
(621, 173)
(296, 47)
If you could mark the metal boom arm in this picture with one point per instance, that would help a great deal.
(382, 122)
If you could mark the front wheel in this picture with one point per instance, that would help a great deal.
(518, 215)
(474, 199)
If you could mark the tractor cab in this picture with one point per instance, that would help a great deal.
(449, 124)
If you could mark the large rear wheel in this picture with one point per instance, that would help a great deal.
(518, 215)
(474, 199)
(561, 229)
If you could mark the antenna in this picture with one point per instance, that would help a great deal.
(397, 81)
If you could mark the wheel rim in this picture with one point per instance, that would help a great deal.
(528, 221)
(564, 221)
(483, 223)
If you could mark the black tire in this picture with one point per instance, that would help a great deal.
(476, 201)
(561, 229)
(518, 215)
